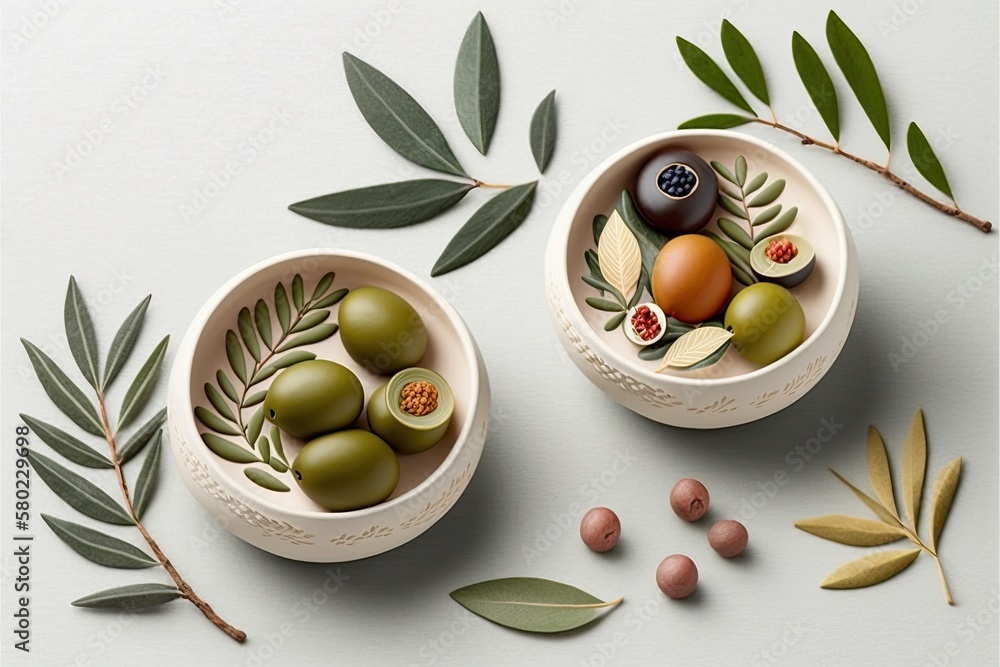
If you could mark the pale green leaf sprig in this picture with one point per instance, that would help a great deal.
(92, 416)
(893, 524)
(858, 70)
(406, 127)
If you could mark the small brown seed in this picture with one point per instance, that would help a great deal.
(677, 576)
(728, 538)
(600, 529)
(689, 499)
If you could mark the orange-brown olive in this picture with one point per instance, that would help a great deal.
(691, 278)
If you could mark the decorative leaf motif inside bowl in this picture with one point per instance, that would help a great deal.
(695, 346)
(619, 256)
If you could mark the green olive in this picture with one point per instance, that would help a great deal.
(347, 470)
(381, 330)
(314, 397)
(767, 322)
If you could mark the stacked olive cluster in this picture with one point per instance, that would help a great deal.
(342, 467)
(677, 575)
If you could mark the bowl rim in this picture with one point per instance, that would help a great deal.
(569, 210)
(197, 327)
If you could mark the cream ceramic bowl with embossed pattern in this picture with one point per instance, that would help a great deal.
(288, 523)
(733, 391)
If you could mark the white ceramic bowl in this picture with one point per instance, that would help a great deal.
(732, 391)
(288, 523)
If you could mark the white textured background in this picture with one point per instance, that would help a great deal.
(117, 220)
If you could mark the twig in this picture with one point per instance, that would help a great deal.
(186, 591)
(955, 211)
(484, 184)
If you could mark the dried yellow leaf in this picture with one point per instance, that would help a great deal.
(619, 255)
(871, 569)
(850, 530)
(942, 496)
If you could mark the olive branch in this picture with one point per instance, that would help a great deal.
(255, 354)
(857, 67)
(82, 494)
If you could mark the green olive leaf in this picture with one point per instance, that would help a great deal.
(870, 570)
(145, 484)
(226, 386)
(531, 604)
(142, 437)
(851, 530)
(737, 254)
(925, 160)
(650, 240)
(255, 425)
(323, 285)
(735, 232)
(859, 70)
(80, 334)
(604, 304)
(123, 342)
(265, 480)
(818, 83)
(782, 223)
(249, 335)
(767, 215)
(740, 170)
(214, 422)
(703, 67)
(141, 388)
(234, 352)
(281, 309)
(724, 171)
(743, 59)
(79, 493)
(255, 399)
(715, 121)
(98, 547)
(755, 183)
(741, 276)
(398, 119)
(314, 335)
(133, 596)
(477, 84)
(63, 391)
(310, 320)
(384, 206)
(543, 131)
(262, 318)
(264, 447)
(768, 194)
(278, 448)
(228, 450)
(67, 445)
(331, 298)
(731, 207)
(487, 227)
(219, 402)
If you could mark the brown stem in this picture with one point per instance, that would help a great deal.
(183, 586)
(944, 582)
(955, 211)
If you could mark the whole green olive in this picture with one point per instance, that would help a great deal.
(767, 322)
(314, 397)
(381, 330)
(347, 470)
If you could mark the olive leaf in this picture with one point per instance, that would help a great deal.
(604, 304)
(214, 422)
(694, 346)
(735, 232)
(99, 547)
(255, 425)
(818, 83)
(650, 240)
(133, 596)
(281, 308)
(862, 532)
(80, 334)
(247, 333)
(615, 320)
(142, 386)
(310, 320)
(228, 450)
(600, 220)
(531, 604)
(942, 496)
(331, 299)
(278, 449)
(262, 318)
(316, 334)
(234, 353)
(743, 59)
(724, 171)
(755, 183)
(384, 206)
(487, 227)
(145, 484)
(783, 222)
(323, 285)
(265, 480)
(477, 84)
(67, 445)
(768, 194)
(715, 121)
(914, 467)
(703, 67)
(870, 570)
(767, 215)
(298, 291)
(142, 437)
(732, 208)
(63, 391)
(123, 342)
(739, 257)
(78, 492)
(878, 471)
(542, 132)
(619, 256)
(851, 530)
(925, 160)
(859, 70)
(398, 119)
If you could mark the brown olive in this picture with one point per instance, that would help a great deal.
(600, 529)
(677, 576)
(728, 538)
(689, 499)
